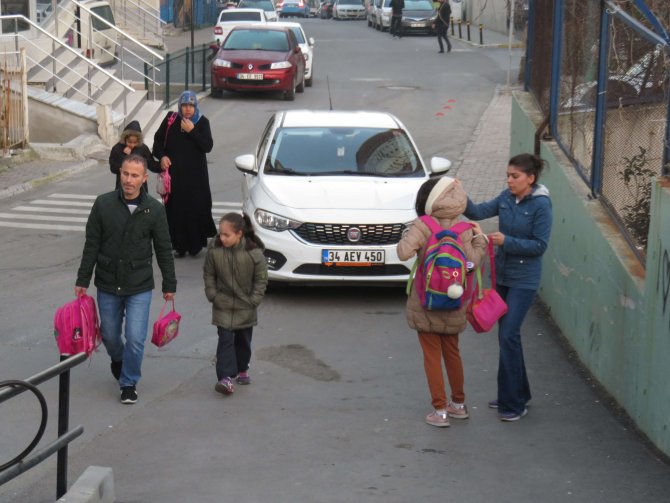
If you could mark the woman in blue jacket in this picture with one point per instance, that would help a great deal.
(524, 222)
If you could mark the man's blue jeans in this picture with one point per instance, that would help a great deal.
(135, 309)
(513, 387)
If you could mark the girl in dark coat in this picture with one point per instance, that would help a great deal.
(181, 144)
(130, 142)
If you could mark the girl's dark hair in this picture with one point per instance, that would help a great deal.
(529, 164)
(422, 195)
(242, 222)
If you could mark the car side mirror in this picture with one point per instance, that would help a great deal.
(246, 163)
(311, 41)
(439, 165)
(214, 47)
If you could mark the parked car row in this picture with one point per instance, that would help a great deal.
(342, 9)
(265, 57)
(418, 16)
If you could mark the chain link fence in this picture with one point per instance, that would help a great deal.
(617, 142)
(634, 128)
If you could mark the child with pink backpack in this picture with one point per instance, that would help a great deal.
(443, 200)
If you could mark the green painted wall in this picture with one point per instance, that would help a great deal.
(615, 314)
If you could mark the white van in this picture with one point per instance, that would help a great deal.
(104, 39)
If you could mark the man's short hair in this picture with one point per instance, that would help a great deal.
(135, 158)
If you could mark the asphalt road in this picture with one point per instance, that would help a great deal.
(335, 411)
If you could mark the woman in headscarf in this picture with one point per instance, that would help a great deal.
(181, 144)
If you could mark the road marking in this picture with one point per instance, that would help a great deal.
(58, 218)
(51, 210)
(45, 227)
(58, 209)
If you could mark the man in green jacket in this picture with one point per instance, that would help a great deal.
(121, 229)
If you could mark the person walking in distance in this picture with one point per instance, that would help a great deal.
(181, 144)
(122, 228)
(524, 218)
(236, 276)
(444, 200)
(396, 18)
(442, 25)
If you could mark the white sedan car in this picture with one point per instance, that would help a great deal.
(306, 45)
(230, 18)
(331, 193)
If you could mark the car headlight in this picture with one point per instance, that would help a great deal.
(274, 222)
(222, 63)
(386, 17)
(280, 64)
(306, 54)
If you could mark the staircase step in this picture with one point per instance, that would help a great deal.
(149, 116)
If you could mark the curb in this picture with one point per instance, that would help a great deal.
(64, 173)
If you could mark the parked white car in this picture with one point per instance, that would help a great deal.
(331, 193)
(306, 45)
(230, 18)
(348, 9)
(267, 5)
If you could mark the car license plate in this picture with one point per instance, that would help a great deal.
(416, 25)
(353, 257)
(250, 76)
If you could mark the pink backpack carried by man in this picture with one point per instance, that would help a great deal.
(76, 327)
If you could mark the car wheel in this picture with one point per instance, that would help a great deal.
(290, 94)
(308, 82)
(215, 92)
(301, 87)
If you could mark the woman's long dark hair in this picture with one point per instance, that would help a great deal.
(242, 222)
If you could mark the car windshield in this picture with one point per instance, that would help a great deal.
(298, 34)
(355, 151)
(259, 40)
(266, 5)
(233, 15)
(418, 5)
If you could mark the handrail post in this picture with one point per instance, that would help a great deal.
(63, 425)
(167, 80)
(186, 68)
(16, 40)
(204, 70)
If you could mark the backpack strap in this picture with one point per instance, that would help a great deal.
(461, 227)
(431, 223)
(170, 121)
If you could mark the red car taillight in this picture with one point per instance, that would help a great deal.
(280, 4)
(301, 4)
(218, 30)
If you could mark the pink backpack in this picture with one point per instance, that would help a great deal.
(441, 277)
(76, 327)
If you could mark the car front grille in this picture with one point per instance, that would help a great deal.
(336, 234)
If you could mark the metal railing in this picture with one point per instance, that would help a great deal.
(183, 70)
(20, 40)
(120, 49)
(14, 104)
(24, 461)
(141, 16)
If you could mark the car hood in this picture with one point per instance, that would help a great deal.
(252, 55)
(342, 193)
(418, 14)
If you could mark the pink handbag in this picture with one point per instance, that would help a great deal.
(487, 307)
(166, 327)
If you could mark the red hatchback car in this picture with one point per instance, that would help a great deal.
(259, 58)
